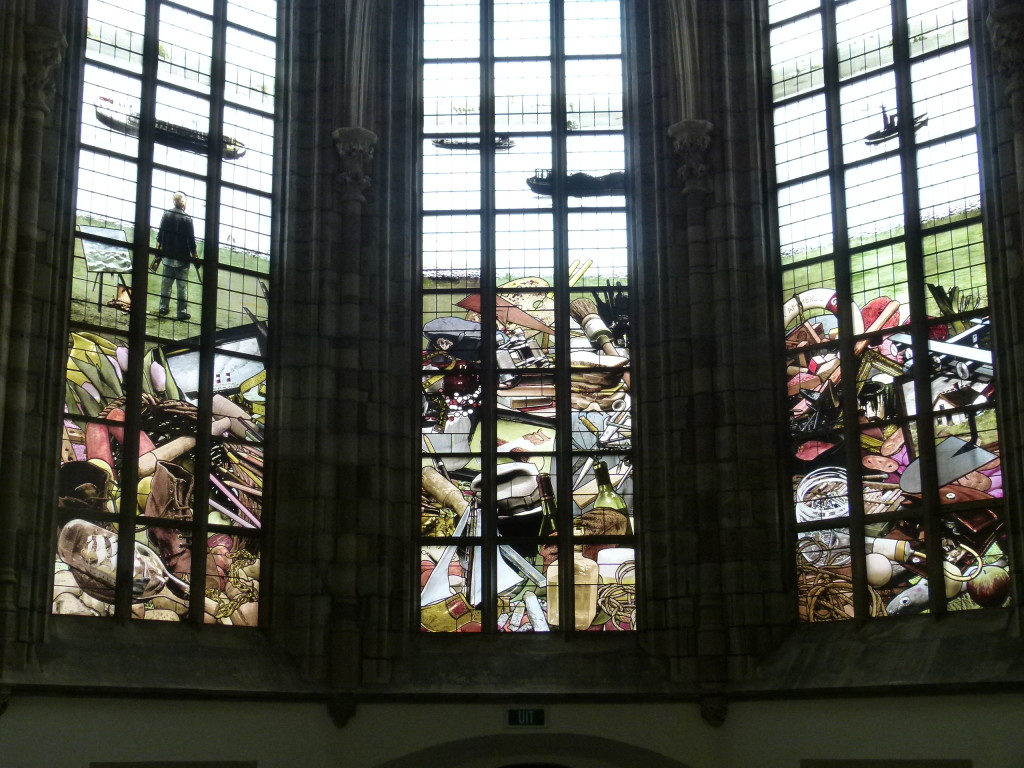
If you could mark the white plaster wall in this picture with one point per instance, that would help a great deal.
(62, 732)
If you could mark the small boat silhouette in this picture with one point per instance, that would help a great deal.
(500, 143)
(579, 184)
(120, 118)
(891, 128)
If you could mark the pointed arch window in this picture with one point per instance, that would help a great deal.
(525, 367)
(895, 452)
(160, 505)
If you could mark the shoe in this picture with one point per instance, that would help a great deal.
(91, 554)
(184, 315)
(162, 311)
(170, 494)
(84, 488)
(170, 497)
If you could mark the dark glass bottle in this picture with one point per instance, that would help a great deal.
(548, 508)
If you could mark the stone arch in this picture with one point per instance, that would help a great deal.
(535, 750)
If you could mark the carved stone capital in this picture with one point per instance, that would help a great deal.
(341, 709)
(713, 709)
(355, 148)
(44, 48)
(691, 139)
(1006, 28)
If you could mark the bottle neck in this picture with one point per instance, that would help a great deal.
(547, 493)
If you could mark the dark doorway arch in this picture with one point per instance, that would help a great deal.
(540, 750)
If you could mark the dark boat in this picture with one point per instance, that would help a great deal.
(891, 128)
(579, 184)
(118, 117)
(500, 143)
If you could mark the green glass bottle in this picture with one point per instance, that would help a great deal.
(607, 498)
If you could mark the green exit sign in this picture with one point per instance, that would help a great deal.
(525, 717)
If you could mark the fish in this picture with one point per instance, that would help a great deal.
(910, 601)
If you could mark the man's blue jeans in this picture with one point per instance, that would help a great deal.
(170, 275)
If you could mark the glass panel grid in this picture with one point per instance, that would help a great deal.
(954, 262)
(451, 175)
(592, 27)
(525, 266)
(868, 111)
(451, 29)
(801, 140)
(956, 364)
(805, 220)
(115, 33)
(94, 501)
(245, 229)
(522, 28)
(797, 281)
(257, 15)
(185, 48)
(599, 240)
(106, 190)
(522, 96)
(594, 94)
(252, 85)
(451, 98)
(525, 246)
(874, 201)
(933, 25)
(864, 36)
(797, 57)
(513, 168)
(182, 131)
(451, 250)
(249, 145)
(110, 111)
(950, 186)
(780, 10)
(880, 274)
(943, 94)
(596, 165)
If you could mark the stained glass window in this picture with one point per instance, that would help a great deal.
(526, 516)
(160, 504)
(897, 498)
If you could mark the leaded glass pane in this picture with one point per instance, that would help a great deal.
(797, 57)
(864, 36)
(155, 236)
(889, 229)
(525, 329)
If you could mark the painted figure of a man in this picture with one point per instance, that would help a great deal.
(176, 247)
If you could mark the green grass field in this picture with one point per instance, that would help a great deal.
(236, 291)
(954, 257)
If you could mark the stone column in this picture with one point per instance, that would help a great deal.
(1006, 259)
(716, 352)
(334, 339)
(42, 49)
(691, 135)
(355, 147)
(360, 47)
(1006, 25)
